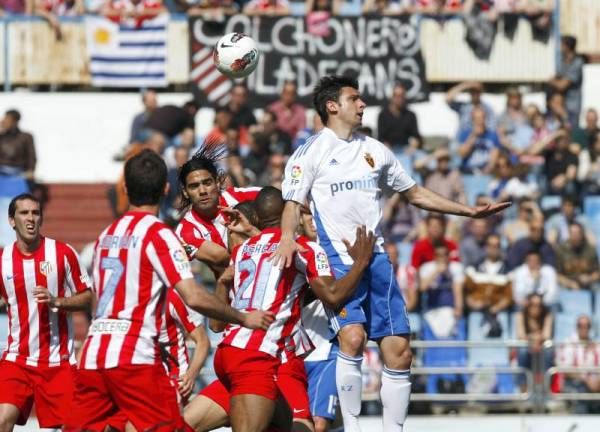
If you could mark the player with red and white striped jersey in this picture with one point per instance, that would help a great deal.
(135, 259)
(41, 280)
(181, 321)
(203, 229)
(246, 362)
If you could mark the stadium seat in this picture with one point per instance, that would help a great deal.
(444, 357)
(404, 252)
(575, 302)
(475, 185)
(591, 207)
(550, 202)
(564, 326)
(497, 356)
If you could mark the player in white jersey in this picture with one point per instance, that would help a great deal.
(343, 175)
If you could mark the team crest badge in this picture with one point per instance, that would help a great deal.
(343, 313)
(46, 268)
(370, 160)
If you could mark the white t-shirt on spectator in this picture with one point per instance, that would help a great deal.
(523, 284)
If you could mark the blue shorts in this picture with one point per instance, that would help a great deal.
(376, 303)
(322, 392)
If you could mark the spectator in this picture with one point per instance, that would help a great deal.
(444, 180)
(479, 145)
(518, 228)
(588, 171)
(332, 7)
(257, 158)
(424, 249)
(273, 175)
(139, 121)
(50, 10)
(586, 136)
(388, 7)
(439, 7)
(211, 10)
(534, 325)
(16, 7)
(132, 12)
(222, 123)
(290, 115)
(17, 149)
(236, 175)
(464, 109)
(514, 131)
(577, 261)
(267, 7)
(154, 141)
(171, 120)
(534, 277)
(472, 246)
(510, 181)
(569, 78)
(581, 351)
(560, 163)
(557, 227)
(307, 132)
(397, 125)
(406, 277)
(400, 220)
(442, 280)
(557, 115)
(536, 242)
(238, 106)
(487, 285)
(271, 137)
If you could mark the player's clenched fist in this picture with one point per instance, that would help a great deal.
(258, 319)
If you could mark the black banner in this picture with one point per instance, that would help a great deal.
(379, 51)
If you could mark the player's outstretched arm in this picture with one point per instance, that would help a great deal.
(196, 297)
(334, 292)
(81, 301)
(223, 285)
(284, 255)
(186, 381)
(428, 200)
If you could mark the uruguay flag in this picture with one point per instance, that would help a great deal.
(125, 55)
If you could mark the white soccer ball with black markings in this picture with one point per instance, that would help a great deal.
(236, 55)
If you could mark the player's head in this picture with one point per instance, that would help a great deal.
(200, 179)
(248, 209)
(25, 217)
(269, 207)
(337, 97)
(145, 179)
(307, 224)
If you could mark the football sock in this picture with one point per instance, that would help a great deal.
(395, 396)
(348, 379)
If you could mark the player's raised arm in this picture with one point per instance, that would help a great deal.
(81, 301)
(290, 220)
(429, 200)
(334, 292)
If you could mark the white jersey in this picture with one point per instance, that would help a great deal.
(344, 181)
(316, 325)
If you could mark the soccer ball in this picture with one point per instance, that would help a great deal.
(236, 55)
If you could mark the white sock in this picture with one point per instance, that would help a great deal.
(395, 396)
(348, 379)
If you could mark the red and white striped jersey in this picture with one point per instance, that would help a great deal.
(135, 258)
(193, 229)
(38, 336)
(260, 285)
(179, 320)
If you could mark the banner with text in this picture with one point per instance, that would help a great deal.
(379, 51)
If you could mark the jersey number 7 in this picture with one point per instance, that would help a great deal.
(114, 264)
